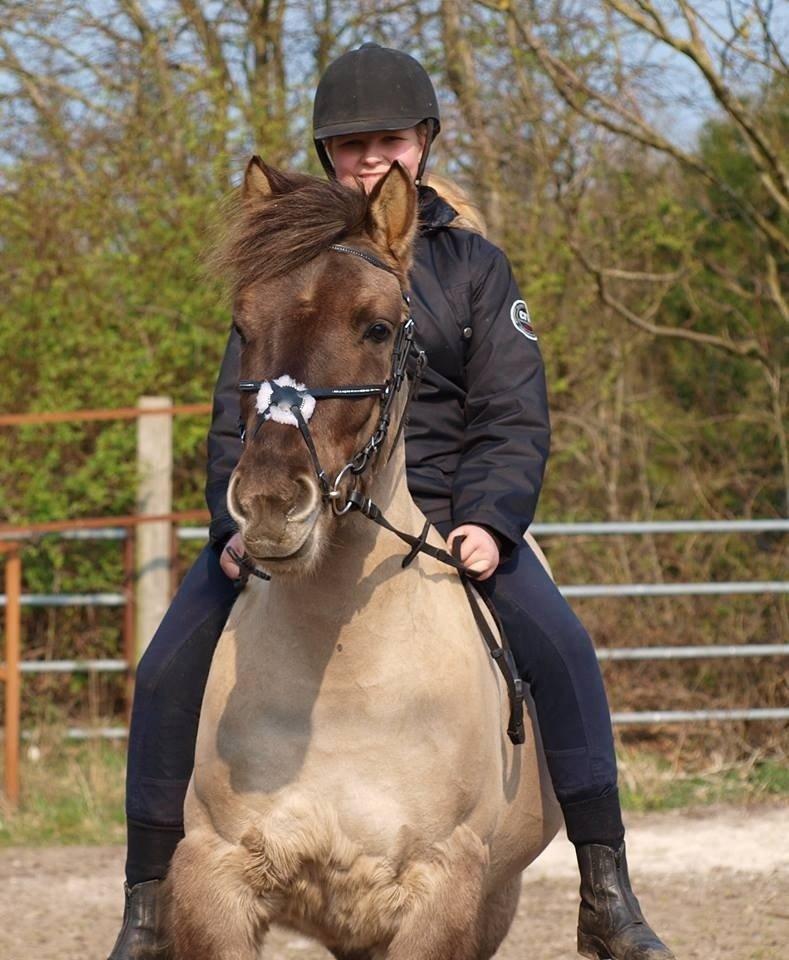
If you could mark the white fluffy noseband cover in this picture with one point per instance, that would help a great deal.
(280, 412)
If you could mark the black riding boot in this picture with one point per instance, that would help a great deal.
(610, 922)
(140, 937)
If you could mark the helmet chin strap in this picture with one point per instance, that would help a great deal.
(431, 126)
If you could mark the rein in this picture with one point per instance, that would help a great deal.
(285, 401)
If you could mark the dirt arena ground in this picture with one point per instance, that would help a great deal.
(714, 883)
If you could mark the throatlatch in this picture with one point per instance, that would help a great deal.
(288, 402)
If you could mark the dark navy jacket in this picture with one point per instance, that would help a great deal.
(478, 431)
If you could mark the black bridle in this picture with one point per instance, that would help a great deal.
(293, 399)
(280, 399)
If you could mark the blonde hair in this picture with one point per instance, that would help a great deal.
(469, 216)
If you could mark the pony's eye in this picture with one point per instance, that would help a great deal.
(240, 332)
(379, 332)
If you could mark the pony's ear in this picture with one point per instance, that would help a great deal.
(262, 181)
(391, 212)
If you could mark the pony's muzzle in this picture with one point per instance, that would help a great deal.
(276, 522)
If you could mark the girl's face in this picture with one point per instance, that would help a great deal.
(368, 156)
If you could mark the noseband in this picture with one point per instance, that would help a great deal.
(286, 401)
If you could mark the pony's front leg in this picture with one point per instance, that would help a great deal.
(211, 912)
(444, 921)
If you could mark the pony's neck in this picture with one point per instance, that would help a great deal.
(359, 545)
(389, 491)
(357, 535)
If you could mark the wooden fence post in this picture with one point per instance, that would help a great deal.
(154, 497)
(11, 674)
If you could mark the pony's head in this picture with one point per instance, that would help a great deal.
(313, 319)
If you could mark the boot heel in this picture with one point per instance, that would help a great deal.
(589, 946)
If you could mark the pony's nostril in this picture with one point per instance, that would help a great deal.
(234, 504)
(305, 501)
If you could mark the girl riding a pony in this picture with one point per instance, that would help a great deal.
(477, 441)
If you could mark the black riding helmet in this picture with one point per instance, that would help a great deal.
(373, 88)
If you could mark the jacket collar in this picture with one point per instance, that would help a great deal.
(434, 211)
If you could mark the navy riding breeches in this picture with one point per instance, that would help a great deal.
(168, 693)
(553, 652)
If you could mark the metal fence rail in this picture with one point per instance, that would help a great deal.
(693, 653)
(69, 600)
(691, 716)
(643, 718)
(200, 533)
(603, 653)
(674, 589)
(580, 528)
(567, 590)
(659, 526)
(585, 590)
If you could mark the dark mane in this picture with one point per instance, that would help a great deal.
(266, 237)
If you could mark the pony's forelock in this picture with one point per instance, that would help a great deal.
(265, 237)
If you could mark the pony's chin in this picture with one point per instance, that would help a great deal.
(301, 560)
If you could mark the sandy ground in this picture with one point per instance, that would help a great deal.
(715, 884)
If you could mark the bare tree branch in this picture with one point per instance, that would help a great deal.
(770, 41)
(773, 173)
(50, 115)
(668, 278)
(774, 286)
(740, 349)
(212, 46)
(153, 48)
(732, 46)
(579, 95)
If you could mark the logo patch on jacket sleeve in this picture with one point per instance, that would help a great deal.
(521, 320)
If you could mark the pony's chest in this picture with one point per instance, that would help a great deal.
(387, 717)
(379, 751)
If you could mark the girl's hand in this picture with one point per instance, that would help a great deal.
(226, 562)
(479, 552)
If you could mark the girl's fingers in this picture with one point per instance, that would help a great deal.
(229, 566)
(476, 554)
(472, 555)
(478, 561)
(468, 547)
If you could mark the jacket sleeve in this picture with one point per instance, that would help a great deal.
(507, 428)
(224, 443)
